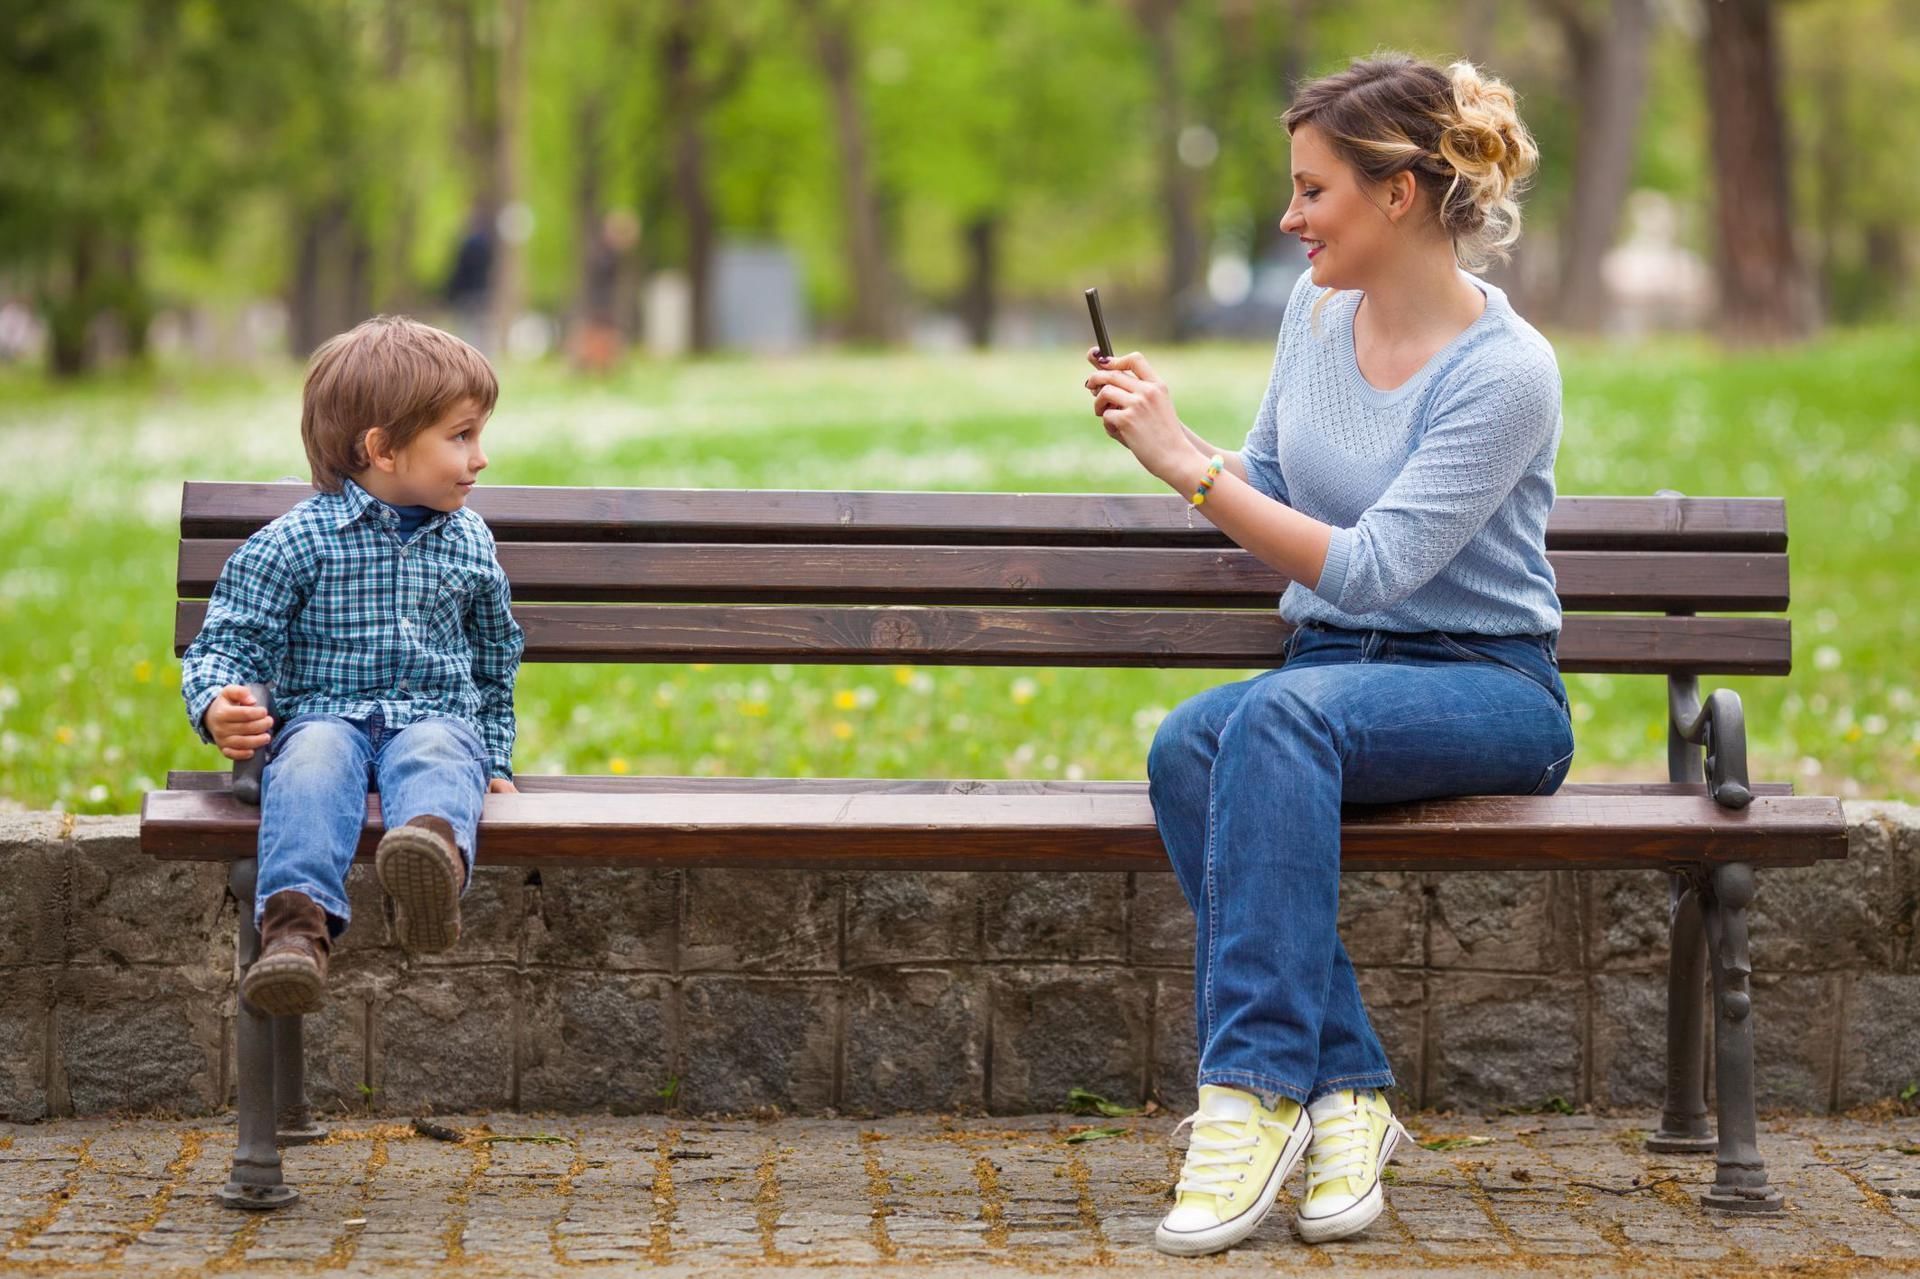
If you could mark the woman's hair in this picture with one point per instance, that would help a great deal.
(1459, 135)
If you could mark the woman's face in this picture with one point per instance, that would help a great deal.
(1345, 227)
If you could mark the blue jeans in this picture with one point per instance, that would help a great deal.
(1247, 782)
(313, 797)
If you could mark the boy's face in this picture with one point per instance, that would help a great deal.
(439, 466)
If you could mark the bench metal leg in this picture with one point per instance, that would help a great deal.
(1684, 1129)
(255, 1180)
(1740, 1184)
(293, 1116)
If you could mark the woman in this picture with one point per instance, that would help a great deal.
(1399, 474)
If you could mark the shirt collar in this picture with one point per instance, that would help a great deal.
(356, 503)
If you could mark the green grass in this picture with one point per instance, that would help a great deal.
(90, 713)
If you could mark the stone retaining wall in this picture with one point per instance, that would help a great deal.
(590, 990)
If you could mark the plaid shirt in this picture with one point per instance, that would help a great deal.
(328, 605)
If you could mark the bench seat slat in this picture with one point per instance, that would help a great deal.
(1118, 577)
(574, 783)
(224, 509)
(1061, 831)
(960, 636)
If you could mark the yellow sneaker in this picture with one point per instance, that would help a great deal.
(1354, 1135)
(1240, 1155)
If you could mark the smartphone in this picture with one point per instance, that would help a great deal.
(1099, 323)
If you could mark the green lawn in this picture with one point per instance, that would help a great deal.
(90, 713)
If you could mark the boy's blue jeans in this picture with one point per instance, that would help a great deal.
(313, 797)
(1247, 782)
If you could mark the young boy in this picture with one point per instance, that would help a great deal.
(377, 609)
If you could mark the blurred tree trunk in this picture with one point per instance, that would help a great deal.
(862, 227)
(1179, 185)
(509, 271)
(1608, 58)
(688, 95)
(978, 297)
(1764, 293)
(68, 305)
(331, 288)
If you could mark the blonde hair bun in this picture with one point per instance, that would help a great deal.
(1458, 132)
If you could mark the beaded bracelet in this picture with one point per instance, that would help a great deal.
(1214, 464)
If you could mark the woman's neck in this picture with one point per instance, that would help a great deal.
(1420, 298)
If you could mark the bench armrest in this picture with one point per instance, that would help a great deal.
(246, 772)
(1719, 726)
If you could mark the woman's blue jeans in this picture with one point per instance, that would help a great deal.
(313, 798)
(1247, 782)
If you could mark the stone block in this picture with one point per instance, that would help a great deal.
(1055, 1029)
(1629, 1039)
(1383, 918)
(1076, 915)
(1497, 1040)
(1855, 914)
(784, 921)
(754, 1042)
(129, 908)
(444, 1041)
(911, 917)
(596, 1041)
(604, 919)
(1161, 923)
(1526, 921)
(26, 1024)
(1629, 916)
(338, 1045)
(33, 889)
(140, 1040)
(1174, 1070)
(1396, 1005)
(493, 917)
(1795, 1022)
(1880, 1055)
(915, 1039)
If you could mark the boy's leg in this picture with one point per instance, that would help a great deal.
(433, 778)
(313, 802)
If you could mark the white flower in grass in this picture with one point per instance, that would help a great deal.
(1874, 725)
(1809, 766)
(1826, 658)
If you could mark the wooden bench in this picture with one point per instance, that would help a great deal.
(975, 579)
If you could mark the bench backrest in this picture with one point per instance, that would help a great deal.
(983, 579)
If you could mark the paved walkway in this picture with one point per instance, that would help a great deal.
(917, 1196)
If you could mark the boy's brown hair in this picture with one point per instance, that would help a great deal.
(390, 372)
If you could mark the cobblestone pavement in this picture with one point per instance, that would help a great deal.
(917, 1196)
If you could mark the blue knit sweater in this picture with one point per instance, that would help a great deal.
(1437, 491)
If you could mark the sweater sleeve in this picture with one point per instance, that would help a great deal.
(1484, 430)
(1261, 452)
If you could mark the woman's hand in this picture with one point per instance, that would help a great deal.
(1137, 410)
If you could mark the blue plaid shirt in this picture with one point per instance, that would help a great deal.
(329, 605)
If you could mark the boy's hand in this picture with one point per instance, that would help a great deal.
(237, 724)
(501, 786)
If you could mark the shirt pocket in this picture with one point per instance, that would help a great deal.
(452, 598)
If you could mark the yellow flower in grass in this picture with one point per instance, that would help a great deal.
(142, 671)
(1023, 691)
(754, 710)
(842, 729)
(63, 735)
(903, 676)
(617, 766)
(845, 699)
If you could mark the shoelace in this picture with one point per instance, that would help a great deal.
(1211, 1161)
(1343, 1146)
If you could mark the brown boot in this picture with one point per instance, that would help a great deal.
(290, 977)
(422, 871)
